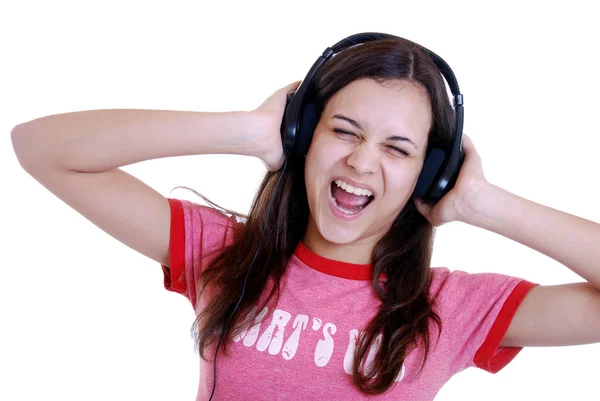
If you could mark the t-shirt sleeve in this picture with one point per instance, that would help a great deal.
(197, 234)
(479, 309)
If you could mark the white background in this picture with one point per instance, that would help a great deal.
(84, 317)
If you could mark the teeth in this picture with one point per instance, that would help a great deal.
(349, 188)
(346, 211)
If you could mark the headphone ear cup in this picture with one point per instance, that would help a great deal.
(287, 131)
(306, 128)
(430, 170)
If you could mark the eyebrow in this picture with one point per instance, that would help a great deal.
(357, 125)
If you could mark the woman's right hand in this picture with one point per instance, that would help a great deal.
(271, 114)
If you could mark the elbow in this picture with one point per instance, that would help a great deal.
(23, 145)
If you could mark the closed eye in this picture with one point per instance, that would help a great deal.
(395, 149)
(341, 131)
(399, 150)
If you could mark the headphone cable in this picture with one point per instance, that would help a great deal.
(245, 280)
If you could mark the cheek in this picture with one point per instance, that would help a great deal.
(399, 187)
(312, 174)
(319, 161)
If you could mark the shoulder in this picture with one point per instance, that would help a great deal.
(195, 225)
(444, 279)
(458, 287)
(191, 212)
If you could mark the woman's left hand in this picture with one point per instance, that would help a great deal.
(461, 198)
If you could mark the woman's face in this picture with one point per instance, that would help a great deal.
(361, 140)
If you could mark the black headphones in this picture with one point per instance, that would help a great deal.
(302, 112)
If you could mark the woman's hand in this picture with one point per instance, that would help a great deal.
(457, 202)
(271, 113)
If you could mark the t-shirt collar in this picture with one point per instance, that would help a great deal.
(332, 267)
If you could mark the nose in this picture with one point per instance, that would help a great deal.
(363, 159)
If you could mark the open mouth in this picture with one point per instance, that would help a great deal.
(349, 203)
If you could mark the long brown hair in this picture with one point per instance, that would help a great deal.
(403, 254)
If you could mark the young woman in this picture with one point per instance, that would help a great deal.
(325, 289)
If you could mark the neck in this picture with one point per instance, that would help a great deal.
(357, 252)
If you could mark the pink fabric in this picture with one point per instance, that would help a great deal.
(303, 351)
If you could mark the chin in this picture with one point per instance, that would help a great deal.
(335, 234)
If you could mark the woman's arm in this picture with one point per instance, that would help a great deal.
(101, 140)
(76, 157)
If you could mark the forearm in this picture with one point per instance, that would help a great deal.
(570, 240)
(101, 140)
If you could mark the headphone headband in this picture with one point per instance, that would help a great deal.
(360, 38)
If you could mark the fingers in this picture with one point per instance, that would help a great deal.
(467, 144)
(470, 152)
(466, 140)
(294, 85)
(423, 207)
(290, 87)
